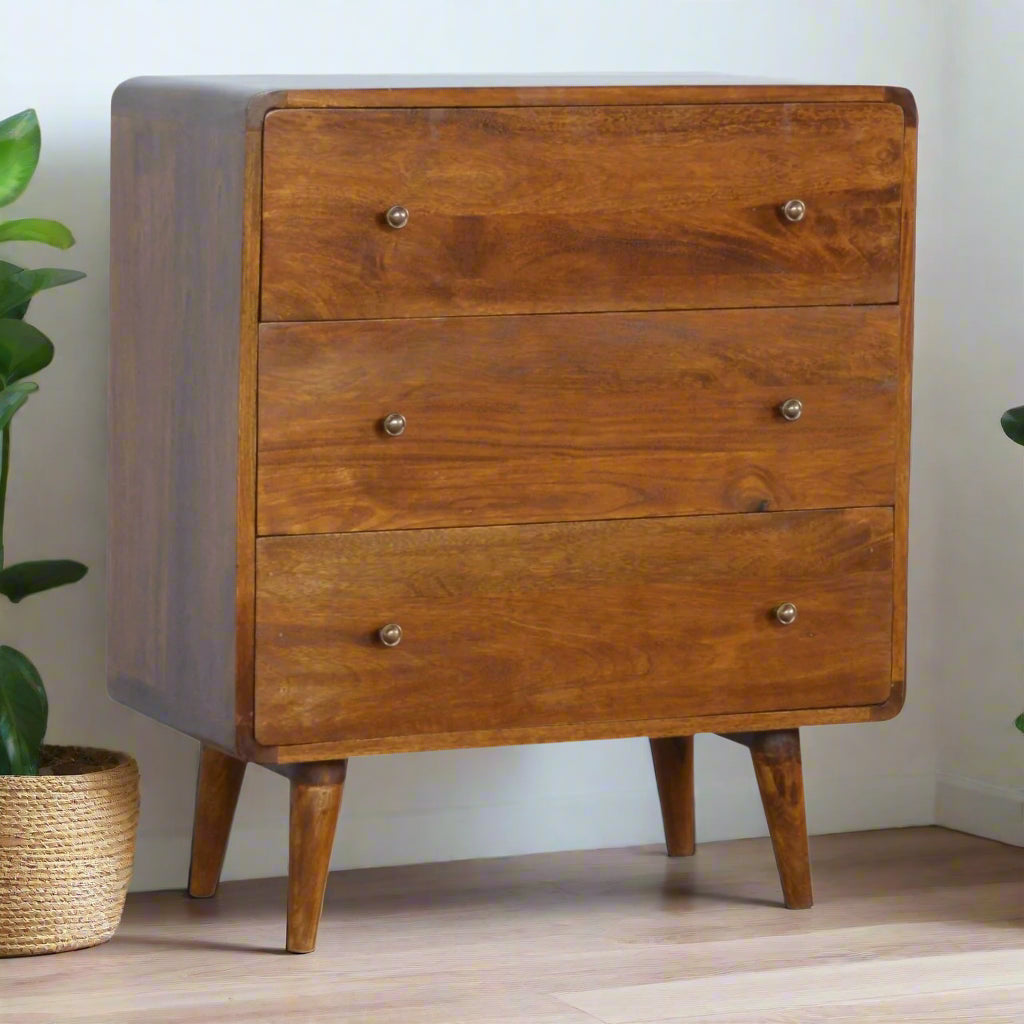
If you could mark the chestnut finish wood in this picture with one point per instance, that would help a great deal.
(557, 418)
(514, 626)
(673, 772)
(315, 802)
(562, 209)
(780, 779)
(217, 788)
(569, 529)
(902, 503)
(176, 581)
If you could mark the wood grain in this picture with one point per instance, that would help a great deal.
(780, 781)
(902, 502)
(272, 92)
(217, 787)
(315, 802)
(510, 627)
(558, 418)
(178, 195)
(674, 775)
(563, 209)
(187, 167)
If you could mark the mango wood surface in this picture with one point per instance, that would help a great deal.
(562, 209)
(902, 503)
(780, 780)
(259, 94)
(315, 791)
(508, 627)
(185, 243)
(674, 774)
(181, 407)
(217, 787)
(557, 418)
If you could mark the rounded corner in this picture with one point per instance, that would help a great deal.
(262, 105)
(904, 99)
(893, 704)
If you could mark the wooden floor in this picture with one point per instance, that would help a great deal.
(910, 925)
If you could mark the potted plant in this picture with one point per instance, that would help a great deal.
(1013, 425)
(68, 815)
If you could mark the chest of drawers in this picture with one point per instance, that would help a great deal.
(461, 415)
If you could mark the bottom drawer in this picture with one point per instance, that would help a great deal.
(556, 624)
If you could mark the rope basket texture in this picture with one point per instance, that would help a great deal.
(67, 843)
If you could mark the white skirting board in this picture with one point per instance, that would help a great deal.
(995, 812)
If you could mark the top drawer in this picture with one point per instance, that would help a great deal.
(575, 209)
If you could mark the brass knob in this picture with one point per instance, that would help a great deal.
(390, 635)
(397, 217)
(791, 409)
(794, 210)
(394, 424)
(785, 613)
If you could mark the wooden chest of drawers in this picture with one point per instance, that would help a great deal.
(459, 416)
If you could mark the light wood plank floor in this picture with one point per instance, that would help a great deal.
(911, 925)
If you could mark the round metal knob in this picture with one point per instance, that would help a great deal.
(785, 613)
(791, 409)
(390, 635)
(794, 210)
(398, 216)
(394, 424)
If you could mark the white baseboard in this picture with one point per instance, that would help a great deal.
(588, 820)
(967, 805)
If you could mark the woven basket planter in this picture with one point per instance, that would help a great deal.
(67, 843)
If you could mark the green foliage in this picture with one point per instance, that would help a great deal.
(24, 351)
(19, 154)
(1013, 424)
(23, 714)
(24, 578)
(32, 229)
(18, 285)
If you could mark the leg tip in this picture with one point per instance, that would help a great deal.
(802, 904)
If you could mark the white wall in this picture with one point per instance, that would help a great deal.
(976, 509)
(68, 58)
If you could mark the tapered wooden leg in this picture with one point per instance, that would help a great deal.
(780, 778)
(220, 780)
(673, 770)
(315, 801)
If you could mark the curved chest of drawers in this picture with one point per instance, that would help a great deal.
(449, 417)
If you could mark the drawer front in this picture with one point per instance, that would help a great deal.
(556, 418)
(566, 209)
(526, 626)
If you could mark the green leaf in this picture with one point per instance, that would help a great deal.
(24, 578)
(12, 398)
(19, 153)
(1019, 722)
(17, 285)
(11, 293)
(1013, 424)
(23, 714)
(24, 350)
(32, 229)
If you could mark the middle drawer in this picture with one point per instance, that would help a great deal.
(519, 419)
